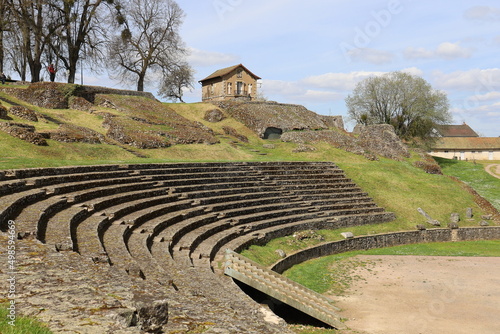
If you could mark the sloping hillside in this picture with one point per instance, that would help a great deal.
(68, 129)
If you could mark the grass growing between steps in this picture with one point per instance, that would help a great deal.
(23, 325)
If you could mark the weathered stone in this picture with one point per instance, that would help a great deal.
(24, 113)
(232, 132)
(487, 217)
(64, 246)
(214, 115)
(135, 271)
(428, 218)
(153, 317)
(484, 223)
(304, 148)
(24, 235)
(453, 226)
(3, 112)
(126, 317)
(347, 235)
(269, 146)
(23, 132)
(454, 218)
(421, 227)
(281, 253)
(468, 213)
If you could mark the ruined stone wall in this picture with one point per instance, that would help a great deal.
(388, 240)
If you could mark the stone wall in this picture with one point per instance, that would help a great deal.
(89, 92)
(260, 116)
(387, 240)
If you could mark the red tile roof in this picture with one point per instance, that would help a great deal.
(468, 143)
(456, 131)
(224, 71)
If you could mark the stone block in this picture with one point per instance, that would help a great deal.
(454, 218)
(468, 213)
(347, 235)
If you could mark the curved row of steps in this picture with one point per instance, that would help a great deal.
(141, 219)
(194, 209)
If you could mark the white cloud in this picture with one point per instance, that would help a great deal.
(479, 81)
(209, 58)
(490, 96)
(483, 13)
(298, 92)
(449, 50)
(339, 81)
(446, 50)
(290, 88)
(371, 56)
(413, 71)
(320, 95)
(417, 53)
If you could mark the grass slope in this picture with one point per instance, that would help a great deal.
(20, 325)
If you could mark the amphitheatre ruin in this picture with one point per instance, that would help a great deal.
(154, 247)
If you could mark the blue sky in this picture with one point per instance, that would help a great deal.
(314, 52)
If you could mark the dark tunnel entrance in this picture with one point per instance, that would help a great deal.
(288, 313)
(273, 133)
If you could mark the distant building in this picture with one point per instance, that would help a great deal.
(235, 82)
(462, 143)
(455, 131)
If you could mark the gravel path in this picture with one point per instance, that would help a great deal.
(494, 170)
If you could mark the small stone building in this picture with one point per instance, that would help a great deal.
(235, 82)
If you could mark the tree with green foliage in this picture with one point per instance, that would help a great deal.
(406, 101)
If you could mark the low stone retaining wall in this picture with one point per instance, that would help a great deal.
(387, 240)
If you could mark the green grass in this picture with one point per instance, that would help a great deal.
(22, 325)
(474, 175)
(333, 274)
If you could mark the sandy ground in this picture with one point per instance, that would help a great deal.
(424, 295)
(493, 170)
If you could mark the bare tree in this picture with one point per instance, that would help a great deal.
(3, 27)
(149, 40)
(79, 25)
(174, 83)
(30, 21)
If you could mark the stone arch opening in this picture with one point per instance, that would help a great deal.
(273, 133)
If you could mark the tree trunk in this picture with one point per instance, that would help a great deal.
(140, 82)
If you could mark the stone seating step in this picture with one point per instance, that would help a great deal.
(194, 237)
(11, 206)
(44, 181)
(51, 171)
(140, 252)
(72, 219)
(11, 187)
(238, 242)
(238, 236)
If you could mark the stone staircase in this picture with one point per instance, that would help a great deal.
(282, 289)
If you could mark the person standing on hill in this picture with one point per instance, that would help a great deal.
(2, 78)
(52, 72)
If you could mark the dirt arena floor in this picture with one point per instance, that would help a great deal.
(424, 295)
